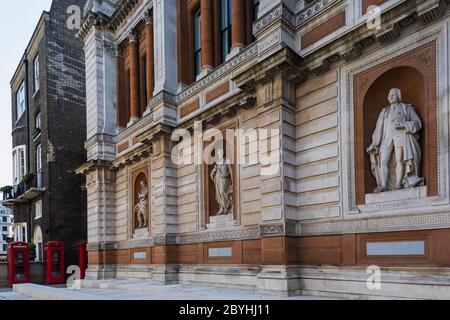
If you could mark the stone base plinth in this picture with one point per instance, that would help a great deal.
(223, 221)
(334, 282)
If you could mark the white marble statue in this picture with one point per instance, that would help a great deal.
(142, 206)
(395, 153)
(222, 179)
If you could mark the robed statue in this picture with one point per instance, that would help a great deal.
(395, 153)
(222, 179)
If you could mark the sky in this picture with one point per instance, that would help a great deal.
(18, 20)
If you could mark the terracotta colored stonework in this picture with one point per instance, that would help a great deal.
(324, 29)
(189, 108)
(218, 92)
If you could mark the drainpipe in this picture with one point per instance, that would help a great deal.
(27, 113)
(27, 137)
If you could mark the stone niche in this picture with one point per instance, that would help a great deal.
(141, 199)
(211, 206)
(414, 73)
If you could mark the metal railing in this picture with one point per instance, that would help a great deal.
(37, 182)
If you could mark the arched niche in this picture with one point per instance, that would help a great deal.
(415, 75)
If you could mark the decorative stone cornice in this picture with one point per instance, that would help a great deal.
(154, 133)
(224, 69)
(99, 138)
(219, 236)
(278, 229)
(282, 13)
(123, 9)
(133, 156)
(91, 165)
(385, 224)
(431, 10)
(91, 20)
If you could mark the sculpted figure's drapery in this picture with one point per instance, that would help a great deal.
(222, 179)
(395, 153)
(142, 206)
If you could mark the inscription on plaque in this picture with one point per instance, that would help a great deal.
(405, 248)
(139, 255)
(220, 252)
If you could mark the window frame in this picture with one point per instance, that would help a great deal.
(20, 101)
(38, 213)
(39, 158)
(197, 41)
(226, 28)
(19, 163)
(36, 68)
(38, 121)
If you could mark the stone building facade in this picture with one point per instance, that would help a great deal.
(48, 126)
(303, 82)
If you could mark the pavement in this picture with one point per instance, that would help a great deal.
(8, 294)
(132, 290)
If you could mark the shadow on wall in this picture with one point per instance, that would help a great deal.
(36, 270)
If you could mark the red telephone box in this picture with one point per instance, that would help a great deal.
(19, 263)
(54, 262)
(82, 258)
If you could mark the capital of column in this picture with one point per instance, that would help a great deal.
(148, 17)
(119, 52)
(133, 36)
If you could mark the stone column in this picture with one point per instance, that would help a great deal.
(207, 34)
(238, 30)
(165, 24)
(120, 86)
(134, 77)
(150, 56)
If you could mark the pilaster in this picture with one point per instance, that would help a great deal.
(100, 53)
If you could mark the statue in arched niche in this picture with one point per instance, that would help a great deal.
(141, 208)
(222, 179)
(395, 153)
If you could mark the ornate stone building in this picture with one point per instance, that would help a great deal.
(348, 173)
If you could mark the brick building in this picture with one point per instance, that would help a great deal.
(316, 75)
(48, 132)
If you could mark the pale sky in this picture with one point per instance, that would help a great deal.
(18, 20)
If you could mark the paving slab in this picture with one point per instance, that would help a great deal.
(128, 290)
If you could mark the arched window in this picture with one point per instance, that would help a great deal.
(38, 241)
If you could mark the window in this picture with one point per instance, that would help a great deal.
(197, 42)
(255, 10)
(5, 229)
(225, 27)
(5, 219)
(20, 100)
(5, 237)
(36, 74)
(20, 233)
(37, 121)
(38, 209)
(144, 101)
(19, 165)
(5, 247)
(38, 159)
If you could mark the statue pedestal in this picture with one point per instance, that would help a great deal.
(224, 221)
(141, 233)
(404, 194)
